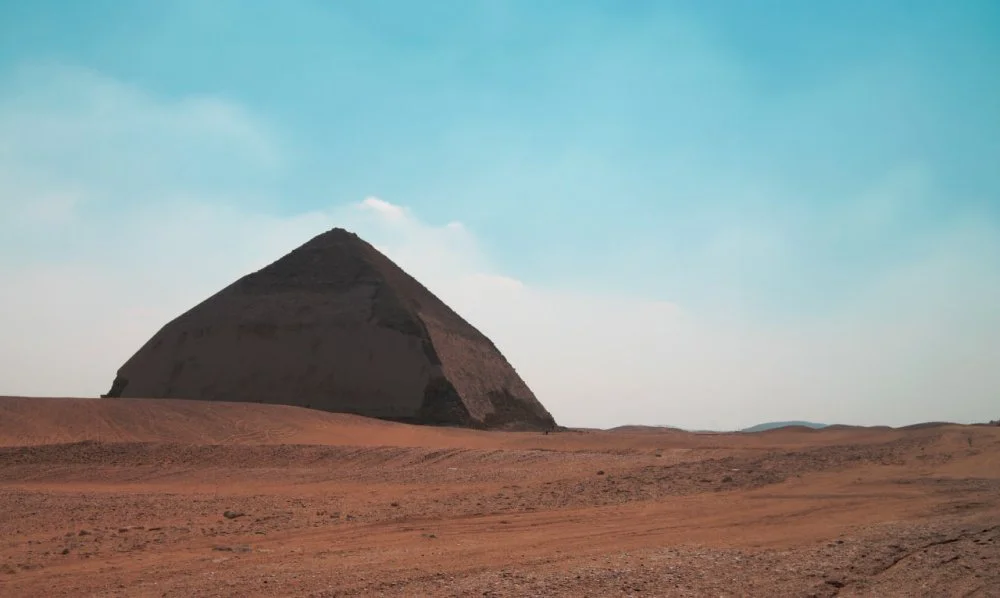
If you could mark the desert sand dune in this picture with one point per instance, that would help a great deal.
(119, 497)
(30, 421)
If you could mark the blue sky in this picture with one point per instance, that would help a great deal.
(811, 187)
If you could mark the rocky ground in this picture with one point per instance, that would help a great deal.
(404, 511)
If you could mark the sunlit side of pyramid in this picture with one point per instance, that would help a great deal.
(334, 325)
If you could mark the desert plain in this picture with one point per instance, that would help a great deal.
(120, 497)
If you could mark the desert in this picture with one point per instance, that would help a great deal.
(132, 497)
(327, 426)
(499, 299)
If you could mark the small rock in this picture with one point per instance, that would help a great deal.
(65, 551)
(600, 472)
(233, 514)
(240, 548)
(83, 532)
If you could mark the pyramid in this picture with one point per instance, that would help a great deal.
(335, 325)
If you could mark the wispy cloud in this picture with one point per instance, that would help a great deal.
(72, 133)
(384, 208)
(113, 223)
(910, 347)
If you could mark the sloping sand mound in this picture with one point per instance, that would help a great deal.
(38, 421)
(33, 421)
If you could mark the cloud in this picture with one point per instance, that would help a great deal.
(72, 133)
(384, 208)
(54, 111)
(97, 257)
(914, 346)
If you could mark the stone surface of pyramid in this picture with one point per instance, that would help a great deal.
(335, 325)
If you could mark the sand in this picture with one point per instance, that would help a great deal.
(124, 497)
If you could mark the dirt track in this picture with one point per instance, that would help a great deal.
(126, 498)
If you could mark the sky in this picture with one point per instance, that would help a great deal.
(695, 214)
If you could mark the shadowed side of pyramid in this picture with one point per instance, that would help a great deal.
(334, 325)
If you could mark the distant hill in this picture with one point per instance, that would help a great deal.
(776, 425)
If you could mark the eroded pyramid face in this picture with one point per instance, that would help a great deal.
(334, 325)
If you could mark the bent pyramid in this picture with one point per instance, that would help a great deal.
(334, 325)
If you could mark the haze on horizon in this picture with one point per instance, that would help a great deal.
(704, 215)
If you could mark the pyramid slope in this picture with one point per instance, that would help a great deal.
(334, 325)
